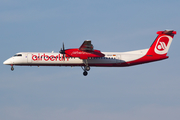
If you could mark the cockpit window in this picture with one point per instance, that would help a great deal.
(17, 55)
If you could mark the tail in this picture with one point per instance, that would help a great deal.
(158, 49)
(162, 43)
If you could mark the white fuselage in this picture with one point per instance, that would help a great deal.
(56, 59)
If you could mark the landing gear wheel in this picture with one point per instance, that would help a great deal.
(85, 73)
(12, 68)
(85, 68)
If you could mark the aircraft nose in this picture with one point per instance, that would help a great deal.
(7, 62)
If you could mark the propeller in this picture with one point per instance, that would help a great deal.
(62, 51)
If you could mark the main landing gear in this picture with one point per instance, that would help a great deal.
(85, 68)
(12, 68)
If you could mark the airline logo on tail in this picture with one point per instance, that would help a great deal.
(163, 44)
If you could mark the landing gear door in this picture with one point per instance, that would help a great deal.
(29, 58)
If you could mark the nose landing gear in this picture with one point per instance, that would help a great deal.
(12, 68)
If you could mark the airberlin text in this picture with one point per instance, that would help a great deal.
(45, 57)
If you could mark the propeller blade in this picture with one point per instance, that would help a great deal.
(63, 46)
(62, 51)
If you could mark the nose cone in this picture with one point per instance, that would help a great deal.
(7, 62)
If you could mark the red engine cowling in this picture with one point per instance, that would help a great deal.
(83, 54)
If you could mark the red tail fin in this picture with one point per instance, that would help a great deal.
(162, 43)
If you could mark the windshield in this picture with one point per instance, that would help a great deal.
(17, 55)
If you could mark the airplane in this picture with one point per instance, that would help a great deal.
(86, 56)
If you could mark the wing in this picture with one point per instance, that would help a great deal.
(86, 46)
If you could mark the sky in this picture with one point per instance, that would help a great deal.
(142, 92)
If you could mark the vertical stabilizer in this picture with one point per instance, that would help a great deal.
(158, 49)
(162, 43)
